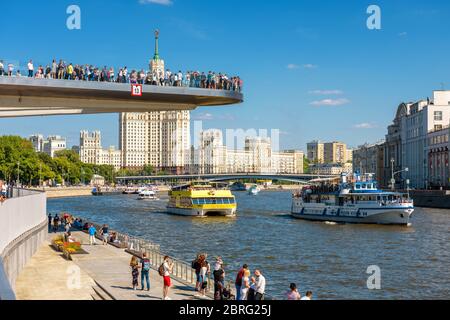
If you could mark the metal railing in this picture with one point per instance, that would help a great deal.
(181, 271)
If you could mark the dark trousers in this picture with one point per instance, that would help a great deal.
(259, 296)
(144, 276)
(30, 73)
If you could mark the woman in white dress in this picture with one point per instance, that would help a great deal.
(245, 285)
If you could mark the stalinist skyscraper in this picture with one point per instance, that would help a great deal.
(158, 138)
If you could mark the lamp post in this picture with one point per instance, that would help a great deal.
(18, 173)
(394, 173)
(40, 174)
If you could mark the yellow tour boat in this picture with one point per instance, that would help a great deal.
(201, 199)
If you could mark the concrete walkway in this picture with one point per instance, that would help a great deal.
(48, 276)
(45, 276)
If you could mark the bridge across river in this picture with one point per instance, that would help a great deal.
(22, 96)
(297, 178)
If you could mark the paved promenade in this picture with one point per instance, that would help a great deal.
(107, 265)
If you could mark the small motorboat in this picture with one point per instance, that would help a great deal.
(254, 190)
(147, 195)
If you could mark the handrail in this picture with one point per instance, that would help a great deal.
(182, 271)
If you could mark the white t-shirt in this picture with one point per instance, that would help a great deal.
(1, 65)
(305, 298)
(30, 66)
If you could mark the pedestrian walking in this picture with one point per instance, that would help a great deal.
(196, 265)
(134, 264)
(50, 220)
(92, 231)
(238, 281)
(203, 279)
(105, 234)
(145, 270)
(55, 223)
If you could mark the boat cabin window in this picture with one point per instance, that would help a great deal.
(202, 201)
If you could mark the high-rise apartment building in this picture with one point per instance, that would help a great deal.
(315, 152)
(159, 138)
(335, 152)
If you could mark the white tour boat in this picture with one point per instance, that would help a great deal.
(359, 201)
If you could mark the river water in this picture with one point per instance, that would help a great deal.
(330, 260)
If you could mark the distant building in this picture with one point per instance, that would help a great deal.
(50, 145)
(331, 168)
(159, 138)
(438, 147)
(91, 151)
(335, 152)
(315, 152)
(328, 152)
(212, 157)
(369, 158)
(408, 137)
(37, 140)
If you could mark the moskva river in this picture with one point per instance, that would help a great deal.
(331, 260)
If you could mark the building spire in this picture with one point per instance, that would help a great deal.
(156, 56)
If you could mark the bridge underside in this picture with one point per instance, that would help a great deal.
(42, 97)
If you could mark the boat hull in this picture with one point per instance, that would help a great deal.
(198, 212)
(384, 216)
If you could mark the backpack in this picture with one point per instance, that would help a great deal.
(161, 270)
(194, 264)
(146, 265)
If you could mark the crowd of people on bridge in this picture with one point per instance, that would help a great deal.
(88, 72)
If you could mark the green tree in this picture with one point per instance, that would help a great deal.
(306, 163)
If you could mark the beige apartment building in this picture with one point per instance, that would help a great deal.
(91, 151)
(257, 157)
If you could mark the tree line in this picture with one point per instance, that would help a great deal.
(19, 162)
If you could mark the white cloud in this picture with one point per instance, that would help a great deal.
(330, 102)
(204, 116)
(161, 2)
(309, 66)
(365, 125)
(293, 66)
(326, 92)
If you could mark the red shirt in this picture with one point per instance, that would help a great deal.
(239, 277)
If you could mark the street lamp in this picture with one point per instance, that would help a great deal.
(40, 174)
(394, 173)
(18, 173)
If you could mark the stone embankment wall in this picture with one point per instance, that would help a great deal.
(23, 228)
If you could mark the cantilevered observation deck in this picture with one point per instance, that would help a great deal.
(21, 96)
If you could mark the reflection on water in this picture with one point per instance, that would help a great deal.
(329, 259)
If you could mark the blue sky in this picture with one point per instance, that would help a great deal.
(311, 68)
